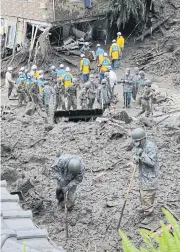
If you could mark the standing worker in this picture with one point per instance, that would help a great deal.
(114, 53)
(120, 42)
(34, 72)
(9, 81)
(103, 95)
(92, 90)
(84, 67)
(136, 83)
(41, 83)
(67, 78)
(60, 92)
(22, 69)
(99, 54)
(145, 156)
(60, 72)
(127, 88)
(48, 93)
(104, 66)
(71, 93)
(146, 97)
(142, 79)
(69, 171)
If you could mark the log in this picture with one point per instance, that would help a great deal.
(78, 33)
(153, 28)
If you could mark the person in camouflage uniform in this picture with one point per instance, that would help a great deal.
(135, 83)
(71, 94)
(91, 91)
(127, 88)
(22, 94)
(34, 93)
(48, 93)
(142, 79)
(146, 97)
(145, 155)
(83, 97)
(60, 92)
(69, 171)
(103, 95)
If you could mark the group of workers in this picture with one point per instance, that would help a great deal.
(69, 172)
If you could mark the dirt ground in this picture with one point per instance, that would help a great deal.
(28, 151)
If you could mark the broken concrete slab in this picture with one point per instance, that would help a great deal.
(29, 234)
(17, 214)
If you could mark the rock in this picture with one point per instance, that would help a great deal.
(10, 175)
(123, 116)
(30, 109)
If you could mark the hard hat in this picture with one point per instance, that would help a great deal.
(22, 69)
(40, 72)
(106, 74)
(34, 67)
(26, 70)
(109, 67)
(46, 82)
(105, 54)
(103, 81)
(41, 76)
(62, 66)
(114, 41)
(10, 69)
(148, 83)
(67, 69)
(119, 33)
(91, 76)
(74, 80)
(20, 73)
(138, 134)
(86, 43)
(29, 75)
(82, 55)
(98, 45)
(136, 69)
(74, 166)
(142, 73)
(53, 67)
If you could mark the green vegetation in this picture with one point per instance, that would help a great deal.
(121, 11)
(167, 241)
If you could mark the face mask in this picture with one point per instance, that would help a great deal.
(137, 144)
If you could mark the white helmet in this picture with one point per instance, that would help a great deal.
(10, 69)
(67, 69)
(62, 66)
(98, 45)
(119, 33)
(86, 43)
(22, 69)
(82, 55)
(105, 54)
(34, 67)
(20, 73)
(109, 67)
(53, 67)
(26, 70)
(41, 76)
(29, 75)
(40, 72)
(114, 41)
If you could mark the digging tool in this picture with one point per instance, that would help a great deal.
(127, 195)
(66, 215)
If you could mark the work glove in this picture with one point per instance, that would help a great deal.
(136, 159)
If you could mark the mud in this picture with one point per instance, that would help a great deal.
(94, 219)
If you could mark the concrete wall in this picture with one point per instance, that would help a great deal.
(75, 9)
(28, 9)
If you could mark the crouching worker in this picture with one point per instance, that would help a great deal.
(69, 171)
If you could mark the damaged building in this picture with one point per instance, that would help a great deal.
(22, 21)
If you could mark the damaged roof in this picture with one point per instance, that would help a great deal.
(17, 228)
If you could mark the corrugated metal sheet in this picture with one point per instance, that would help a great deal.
(18, 232)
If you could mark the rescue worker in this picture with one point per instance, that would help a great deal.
(60, 93)
(83, 97)
(120, 42)
(34, 93)
(40, 83)
(114, 53)
(67, 77)
(34, 72)
(71, 94)
(20, 78)
(103, 95)
(22, 70)
(127, 88)
(9, 81)
(85, 48)
(84, 67)
(112, 79)
(106, 77)
(53, 74)
(69, 171)
(29, 83)
(60, 72)
(145, 155)
(136, 83)
(99, 54)
(103, 67)
(91, 92)
(142, 79)
(146, 97)
(22, 94)
(48, 93)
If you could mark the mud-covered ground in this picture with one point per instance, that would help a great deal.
(28, 152)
